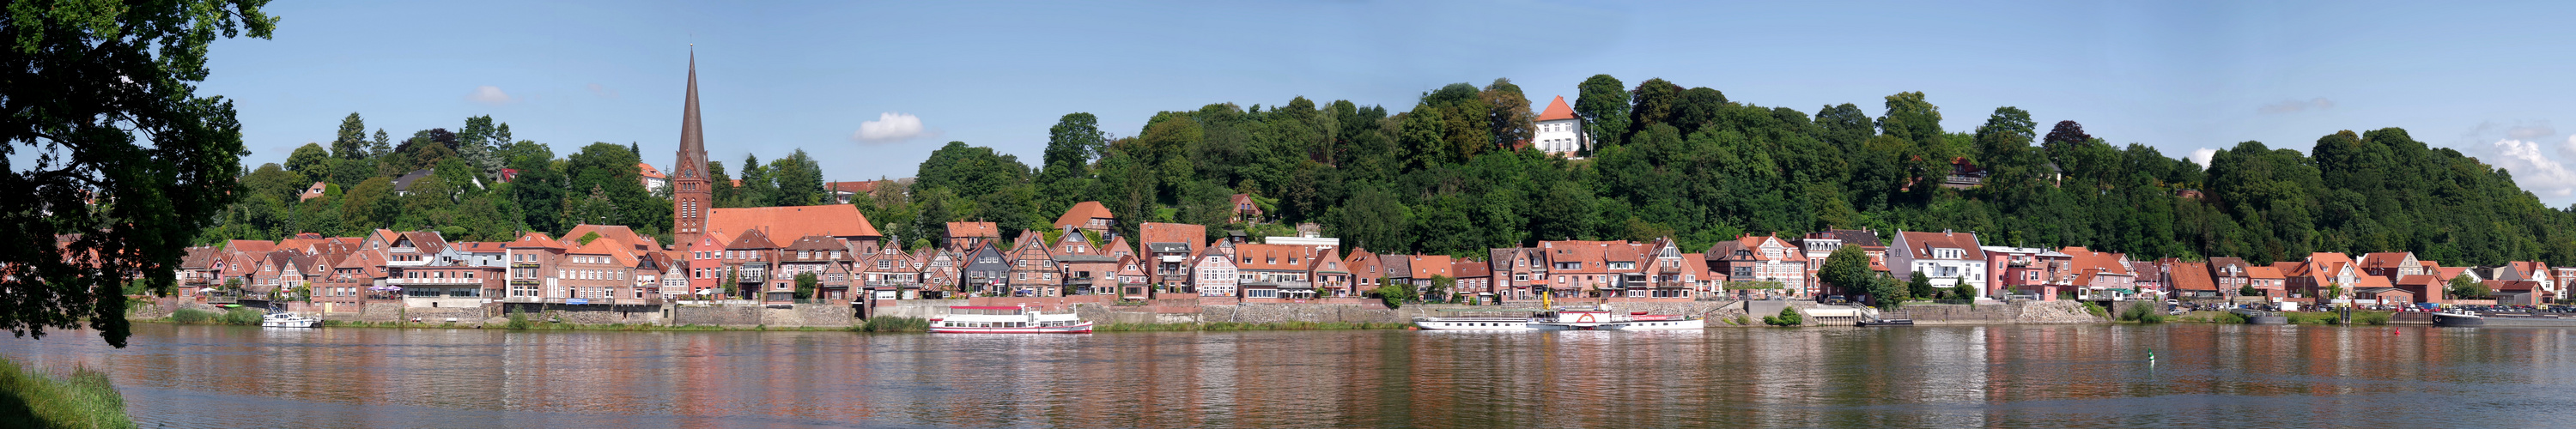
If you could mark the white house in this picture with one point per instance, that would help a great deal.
(1943, 256)
(1559, 131)
(1213, 273)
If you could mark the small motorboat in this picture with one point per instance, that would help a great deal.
(288, 320)
(2458, 318)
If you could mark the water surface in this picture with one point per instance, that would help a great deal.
(1985, 376)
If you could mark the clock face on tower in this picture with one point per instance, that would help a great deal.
(689, 173)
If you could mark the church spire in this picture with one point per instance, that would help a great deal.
(690, 142)
(691, 196)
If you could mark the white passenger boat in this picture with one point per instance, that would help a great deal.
(288, 320)
(1006, 320)
(1604, 318)
(1478, 319)
(1601, 318)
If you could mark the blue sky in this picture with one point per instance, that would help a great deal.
(2486, 79)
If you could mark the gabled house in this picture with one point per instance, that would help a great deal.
(2232, 274)
(1287, 270)
(1579, 268)
(1088, 269)
(1132, 283)
(1167, 249)
(1244, 209)
(1520, 273)
(1213, 273)
(1087, 215)
(2192, 280)
(1368, 272)
(1821, 245)
(2392, 264)
(1033, 268)
(2028, 270)
(1474, 278)
(1944, 257)
(751, 257)
(986, 270)
(1758, 258)
(2101, 271)
(965, 236)
(816, 255)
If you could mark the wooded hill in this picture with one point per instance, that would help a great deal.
(1443, 177)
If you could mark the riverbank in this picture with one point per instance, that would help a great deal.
(31, 398)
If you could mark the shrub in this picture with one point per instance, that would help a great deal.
(2231, 317)
(519, 319)
(2373, 318)
(241, 316)
(1787, 317)
(895, 324)
(192, 316)
(2095, 309)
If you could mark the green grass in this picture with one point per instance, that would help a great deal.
(2315, 318)
(2374, 318)
(33, 399)
(1239, 326)
(237, 316)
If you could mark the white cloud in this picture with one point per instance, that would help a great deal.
(2534, 170)
(488, 94)
(2203, 155)
(602, 91)
(2294, 106)
(891, 127)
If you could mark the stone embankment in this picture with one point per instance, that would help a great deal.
(2015, 312)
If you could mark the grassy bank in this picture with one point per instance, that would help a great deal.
(1236, 326)
(33, 399)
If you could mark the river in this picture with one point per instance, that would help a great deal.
(1966, 376)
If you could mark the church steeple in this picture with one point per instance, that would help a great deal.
(691, 196)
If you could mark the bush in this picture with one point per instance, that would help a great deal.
(192, 316)
(2095, 309)
(895, 324)
(519, 319)
(2230, 317)
(2142, 313)
(85, 400)
(241, 316)
(1787, 317)
(2372, 318)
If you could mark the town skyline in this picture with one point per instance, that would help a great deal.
(2138, 77)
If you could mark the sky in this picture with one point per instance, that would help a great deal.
(870, 89)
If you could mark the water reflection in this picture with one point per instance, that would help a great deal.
(1992, 376)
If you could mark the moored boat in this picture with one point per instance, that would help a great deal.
(1603, 318)
(2458, 318)
(1006, 320)
(288, 320)
(1478, 319)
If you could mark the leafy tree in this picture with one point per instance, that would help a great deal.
(380, 146)
(1788, 317)
(1887, 292)
(1392, 293)
(369, 205)
(1911, 118)
(310, 160)
(1510, 119)
(799, 180)
(1657, 103)
(1964, 290)
(2463, 288)
(806, 284)
(539, 192)
(1847, 268)
(1603, 103)
(1442, 288)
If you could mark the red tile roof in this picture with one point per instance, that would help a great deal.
(1922, 243)
(2383, 259)
(835, 220)
(2192, 276)
(1469, 269)
(648, 171)
(534, 240)
(974, 229)
(1081, 215)
(1274, 257)
(1556, 110)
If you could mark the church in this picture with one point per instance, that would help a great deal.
(695, 217)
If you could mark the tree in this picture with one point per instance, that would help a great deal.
(1440, 288)
(1657, 101)
(310, 160)
(1886, 292)
(806, 284)
(1603, 103)
(1071, 144)
(799, 180)
(115, 164)
(351, 141)
(1510, 121)
(2248, 290)
(1392, 293)
(1964, 290)
(2463, 288)
(1920, 286)
(1846, 268)
(381, 145)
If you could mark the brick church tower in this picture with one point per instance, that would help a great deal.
(691, 196)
